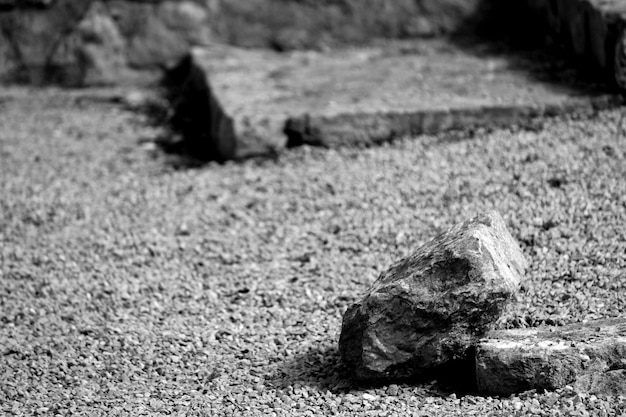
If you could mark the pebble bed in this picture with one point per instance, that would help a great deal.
(134, 283)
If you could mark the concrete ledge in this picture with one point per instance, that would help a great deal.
(591, 357)
(234, 103)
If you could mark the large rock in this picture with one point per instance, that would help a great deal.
(430, 307)
(590, 356)
(95, 42)
(33, 32)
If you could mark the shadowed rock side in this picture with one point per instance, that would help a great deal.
(197, 114)
(430, 307)
(211, 132)
(592, 30)
(589, 356)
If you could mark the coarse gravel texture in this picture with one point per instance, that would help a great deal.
(132, 284)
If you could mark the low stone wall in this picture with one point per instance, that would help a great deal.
(92, 42)
(97, 42)
(306, 24)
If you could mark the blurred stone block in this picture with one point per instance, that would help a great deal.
(235, 103)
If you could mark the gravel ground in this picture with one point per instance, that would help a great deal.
(132, 284)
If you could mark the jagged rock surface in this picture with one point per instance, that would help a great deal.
(591, 357)
(430, 307)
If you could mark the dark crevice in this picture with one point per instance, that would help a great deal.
(459, 376)
(300, 132)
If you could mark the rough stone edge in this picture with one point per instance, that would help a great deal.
(588, 356)
(358, 129)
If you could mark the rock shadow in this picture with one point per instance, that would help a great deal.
(319, 368)
(177, 154)
(156, 110)
(323, 369)
(155, 113)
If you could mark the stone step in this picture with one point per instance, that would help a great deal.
(591, 29)
(235, 103)
(590, 357)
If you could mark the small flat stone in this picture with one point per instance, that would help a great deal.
(430, 307)
(591, 357)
